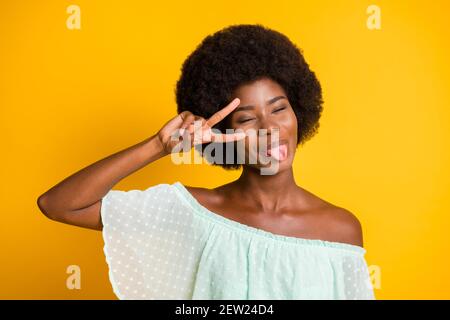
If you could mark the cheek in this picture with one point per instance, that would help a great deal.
(290, 121)
(290, 125)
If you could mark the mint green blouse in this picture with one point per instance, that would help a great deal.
(161, 243)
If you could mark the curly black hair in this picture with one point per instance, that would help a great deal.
(241, 54)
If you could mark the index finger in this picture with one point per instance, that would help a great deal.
(221, 114)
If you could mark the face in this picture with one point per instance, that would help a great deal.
(264, 105)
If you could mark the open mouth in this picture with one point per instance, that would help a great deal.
(278, 151)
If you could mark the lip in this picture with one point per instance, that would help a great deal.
(276, 144)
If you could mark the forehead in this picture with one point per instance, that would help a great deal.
(259, 90)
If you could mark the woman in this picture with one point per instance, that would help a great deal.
(259, 237)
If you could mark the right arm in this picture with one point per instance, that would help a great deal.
(77, 199)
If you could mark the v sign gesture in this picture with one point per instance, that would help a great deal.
(197, 129)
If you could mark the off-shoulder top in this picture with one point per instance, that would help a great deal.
(161, 243)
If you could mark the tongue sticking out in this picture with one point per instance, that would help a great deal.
(279, 152)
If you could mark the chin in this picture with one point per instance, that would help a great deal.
(272, 168)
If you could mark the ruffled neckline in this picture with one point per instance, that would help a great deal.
(205, 212)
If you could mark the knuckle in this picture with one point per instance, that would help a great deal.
(184, 114)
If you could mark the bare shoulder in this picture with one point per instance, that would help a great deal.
(337, 223)
(342, 225)
(347, 227)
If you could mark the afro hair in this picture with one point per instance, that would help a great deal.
(241, 54)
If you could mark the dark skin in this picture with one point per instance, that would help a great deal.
(274, 203)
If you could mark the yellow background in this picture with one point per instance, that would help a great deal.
(71, 97)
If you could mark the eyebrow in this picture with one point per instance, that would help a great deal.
(250, 107)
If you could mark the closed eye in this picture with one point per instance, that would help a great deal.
(249, 119)
(244, 120)
(279, 109)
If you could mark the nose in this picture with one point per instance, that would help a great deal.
(269, 125)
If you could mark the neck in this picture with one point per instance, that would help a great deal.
(267, 192)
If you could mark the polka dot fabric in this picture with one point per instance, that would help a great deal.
(161, 243)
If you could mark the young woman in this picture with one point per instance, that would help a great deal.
(259, 237)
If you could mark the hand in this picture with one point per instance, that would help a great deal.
(183, 124)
